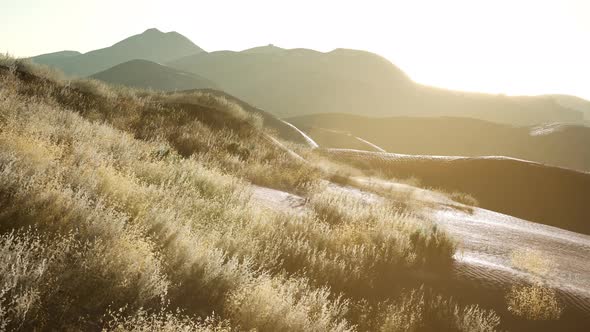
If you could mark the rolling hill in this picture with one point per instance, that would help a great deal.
(549, 195)
(152, 45)
(120, 205)
(150, 75)
(558, 144)
(301, 81)
(575, 103)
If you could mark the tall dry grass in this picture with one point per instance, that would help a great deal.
(138, 204)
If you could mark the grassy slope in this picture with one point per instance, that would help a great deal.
(117, 199)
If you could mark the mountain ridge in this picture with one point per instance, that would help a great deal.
(152, 44)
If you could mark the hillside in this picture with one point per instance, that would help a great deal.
(55, 58)
(152, 45)
(559, 144)
(127, 210)
(299, 81)
(549, 195)
(146, 74)
(574, 103)
(278, 127)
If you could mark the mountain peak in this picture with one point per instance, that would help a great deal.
(152, 31)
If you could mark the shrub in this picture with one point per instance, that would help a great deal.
(421, 309)
(531, 261)
(534, 302)
(162, 321)
(464, 198)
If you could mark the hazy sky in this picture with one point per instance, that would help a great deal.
(498, 46)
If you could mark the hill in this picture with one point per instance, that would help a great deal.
(150, 75)
(282, 129)
(558, 144)
(55, 59)
(574, 103)
(549, 195)
(152, 45)
(300, 81)
(126, 210)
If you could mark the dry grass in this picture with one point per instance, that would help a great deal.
(143, 321)
(121, 201)
(534, 302)
(464, 198)
(423, 310)
(532, 261)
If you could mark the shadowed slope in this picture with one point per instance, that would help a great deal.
(559, 144)
(549, 195)
(150, 75)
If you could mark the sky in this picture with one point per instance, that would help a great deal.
(513, 47)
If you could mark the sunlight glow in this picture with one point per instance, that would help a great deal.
(511, 47)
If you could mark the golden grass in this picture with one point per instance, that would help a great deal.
(534, 302)
(532, 261)
(121, 201)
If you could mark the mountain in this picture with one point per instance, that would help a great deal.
(574, 103)
(300, 81)
(564, 145)
(55, 58)
(152, 45)
(150, 75)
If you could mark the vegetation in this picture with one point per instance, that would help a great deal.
(126, 210)
(536, 301)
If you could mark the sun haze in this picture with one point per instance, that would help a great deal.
(511, 47)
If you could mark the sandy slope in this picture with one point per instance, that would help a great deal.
(487, 240)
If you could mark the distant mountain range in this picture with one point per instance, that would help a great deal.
(297, 82)
(564, 145)
(150, 75)
(300, 81)
(152, 45)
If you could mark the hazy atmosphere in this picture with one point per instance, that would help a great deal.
(511, 47)
(270, 166)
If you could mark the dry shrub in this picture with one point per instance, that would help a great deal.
(423, 310)
(534, 302)
(56, 282)
(287, 305)
(532, 261)
(464, 198)
(162, 321)
(26, 65)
